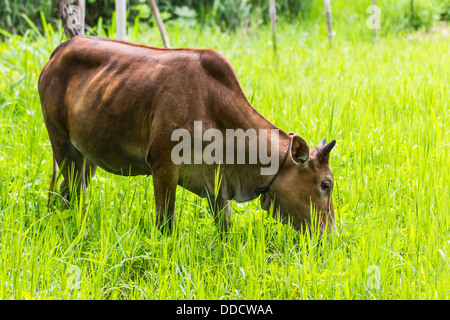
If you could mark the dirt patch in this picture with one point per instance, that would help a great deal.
(439, 31)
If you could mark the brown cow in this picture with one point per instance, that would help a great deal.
(117, 104)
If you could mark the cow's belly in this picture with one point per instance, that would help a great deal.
(111, 135)
(200, 179)
(113, 154)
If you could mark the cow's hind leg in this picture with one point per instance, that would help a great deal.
(89, 170)
(72, 164)
(74, 184)
(221, 211)
(51, 189)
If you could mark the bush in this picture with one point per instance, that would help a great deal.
(11, 12)
(233, 14)
(228, 14)
(445, 11)
(423, 13)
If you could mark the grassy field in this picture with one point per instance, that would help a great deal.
(387, 105)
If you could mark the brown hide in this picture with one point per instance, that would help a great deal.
(115, 104)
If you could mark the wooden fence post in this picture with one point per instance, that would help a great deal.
(327, 5)
(121, 19)
(159, 22)
(82, 5)
(273, 23)
(72, 16)
(376, 20)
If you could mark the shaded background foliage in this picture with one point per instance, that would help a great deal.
(387, 105)
(229, 14)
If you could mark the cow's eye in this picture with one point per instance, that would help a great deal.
(325, 185)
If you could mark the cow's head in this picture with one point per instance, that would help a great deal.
(305, 180)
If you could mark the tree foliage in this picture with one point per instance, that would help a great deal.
(226, 14)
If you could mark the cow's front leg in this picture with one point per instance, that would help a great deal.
(221, 211)
(165, 181)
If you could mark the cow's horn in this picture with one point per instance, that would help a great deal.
(322, 142)
(326, 149)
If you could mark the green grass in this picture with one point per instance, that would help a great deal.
(387, 106)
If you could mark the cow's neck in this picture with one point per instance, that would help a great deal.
(244, 179)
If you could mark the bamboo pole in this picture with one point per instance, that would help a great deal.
(159, 22)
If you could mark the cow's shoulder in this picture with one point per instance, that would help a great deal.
(219, 68)
(71, 44)
(61, 46)
(77, 49)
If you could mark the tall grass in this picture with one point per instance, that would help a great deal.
(387, 106)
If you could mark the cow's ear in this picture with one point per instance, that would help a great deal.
(299, 150)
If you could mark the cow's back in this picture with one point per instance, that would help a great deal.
(99, 70)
